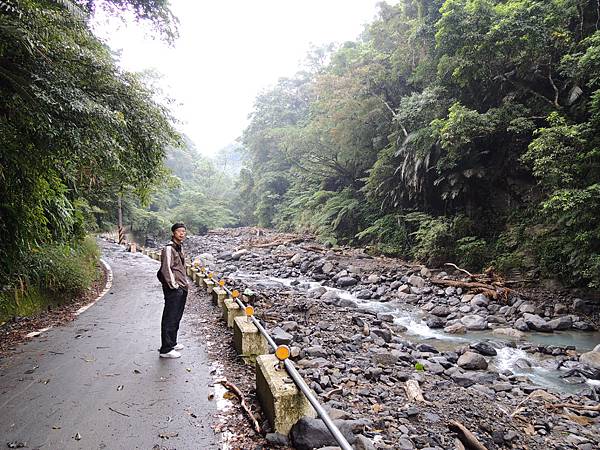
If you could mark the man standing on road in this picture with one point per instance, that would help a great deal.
(175, 286)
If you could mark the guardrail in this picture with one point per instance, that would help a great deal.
(282, 352)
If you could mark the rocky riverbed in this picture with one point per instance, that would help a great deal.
(518, 371)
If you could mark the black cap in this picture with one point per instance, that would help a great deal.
(177, 225)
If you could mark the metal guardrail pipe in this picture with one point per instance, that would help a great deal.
(299, 381)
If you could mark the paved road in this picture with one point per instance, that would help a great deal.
(98, 383)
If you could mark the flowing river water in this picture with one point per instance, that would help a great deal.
(511, 355)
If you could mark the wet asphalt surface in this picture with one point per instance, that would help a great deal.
(98, 383)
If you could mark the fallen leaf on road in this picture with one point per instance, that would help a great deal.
(228, 395)
(56, 427)
(211, 395)
(188, 369)
(167, 435)
(33, 369)
(136, 371)
(16, 444)
(77, 437)
(120, 387)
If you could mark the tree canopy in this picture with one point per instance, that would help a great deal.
(456, 129)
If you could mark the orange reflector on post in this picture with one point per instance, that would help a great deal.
(203, 269)
(282, 352)
(235, 293)
(210, 275)
(249, 310)
(221, 283)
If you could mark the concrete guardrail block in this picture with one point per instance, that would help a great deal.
(281, 400)
(200, 280)
(231, 310)
(210, 284)
(247, 340)
(219, 295)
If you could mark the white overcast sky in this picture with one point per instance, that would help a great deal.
(230, 50)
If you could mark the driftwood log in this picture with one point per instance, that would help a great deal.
(414, 392)
(466, 437)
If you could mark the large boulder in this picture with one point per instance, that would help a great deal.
(483, 348)
(455, 328)
(561, 323)
(237, 255)
(536, 323)
(474, 322)
(591, 360)
(480, 300)
(281, 337)
(472, 361)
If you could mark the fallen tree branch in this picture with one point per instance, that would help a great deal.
(459, 269)
(277, 242)
(490, 290)
(233, 388)
(573, 406)
(334, 391)
(118, 412)
(465, 436)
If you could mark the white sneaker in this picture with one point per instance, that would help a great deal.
(179, 347)
(171, 354)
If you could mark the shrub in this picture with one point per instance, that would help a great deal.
(472, 252)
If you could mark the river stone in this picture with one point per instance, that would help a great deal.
(582, 325)
(317, 351)
(373, 279)
(435, 322)
(508, 332)
(385, 359)
(327, 268)
(316, 292)
(416, 281)
(404, 289)
(364, 294)
(596, 348)
(472, 361)
(474, 322)
(330, 296)
(296, 259)
(561, 323)
(346, 281)
(456, 328)
(536, 323)
(237, 255)
(520, 325)
(309, 433)
(424, 347)
(440, 311)
(480, 300)
(363, 443)
(483, 348)
(280, 336)
(591, 359)
(384, 334)
(527, 308)
(425, 272)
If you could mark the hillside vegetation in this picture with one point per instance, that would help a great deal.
(457, 130)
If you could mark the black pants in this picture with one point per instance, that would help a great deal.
(169, 326)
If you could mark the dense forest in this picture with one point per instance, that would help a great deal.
(76, 133)
(456, 130)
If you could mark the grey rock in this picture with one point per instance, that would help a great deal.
(440, 311)
(416, 281)
(404, 289)
(527, 308)
(385, 317)
(237, 255)
(472, 361)
(384, 334)
(561, 323)
(327, 268)
(277, 439)
(281, 337)
(509, 332)
(479, 300)
(373, 279)
(483, 348)
(346, 281)
(296, 259)
(309, 433)
(535, 322)
(364, 294)
(591, 360)
(316, 351)
(456, 328)
(404, 444)
(329, 296)
(435, 322)
(520, 325)
(425, 272)
(385, 359)
(316, 292)
(474, 322)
